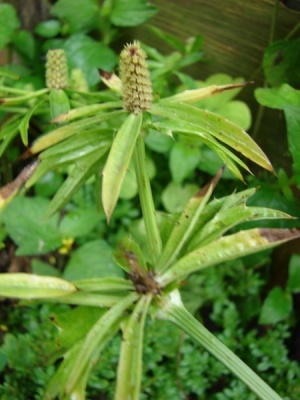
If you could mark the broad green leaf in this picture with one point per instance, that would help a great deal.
(83, 169)
(89, 55)
(118, 161)
(159, 142)
(24, 124)
(217, 126)
(39, 267)
(79, 222)
(131, 13)
(49, 184)
(59, 102)
(211, 162)
(183, 160)
(48, 29)
(130, 360)
(185, 224)
(276, 307)
(109, 284)
(42, 236)
(69, 330)
(97, 337)
(227, 248)
(28, 286)
(293, 284)
(175, 197)
(278, 97)
(292, 116)
(9, 22)
(228, 218)
(64, 132)
(129, 187)
(281, 62)
(83, 17)
(24, 44)
(91, 260)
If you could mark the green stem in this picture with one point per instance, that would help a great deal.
(177, 313)
(146, 200)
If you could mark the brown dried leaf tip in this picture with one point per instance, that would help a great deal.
(136, 84)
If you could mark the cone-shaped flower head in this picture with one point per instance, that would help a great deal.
(136, 84)
(56, 70)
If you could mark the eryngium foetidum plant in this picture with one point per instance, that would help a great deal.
(176, 246)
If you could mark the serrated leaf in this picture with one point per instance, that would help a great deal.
(118, 161)
(217, 126)
(276, 307)
(227, 248)
(28, 286)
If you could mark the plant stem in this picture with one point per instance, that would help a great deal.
(178, 314)
(146, 200)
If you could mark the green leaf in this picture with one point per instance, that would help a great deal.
(65, 132)
(276, 307)
(24, 124)
(293, 284)
(24, 44)
(59, 102)
(227, 248)
(49, 184)
(83, 169)
(43, 235)
(278, 97)
(69, 330)
(97, 337)
(48, 29)
(217, 126)
(127, 251)
(39, 267)
(109, 284)
(292, 116)
(85, 20)
(88, 55)
(131, 13)
(130, 360)
(118, 161)
(185, 224)
(228, 218)
(9, 22)
(91, 260)
(159, 142)
(281, 62)
(28, 286)
(79, 222)
(175, 197)
(183, 160)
